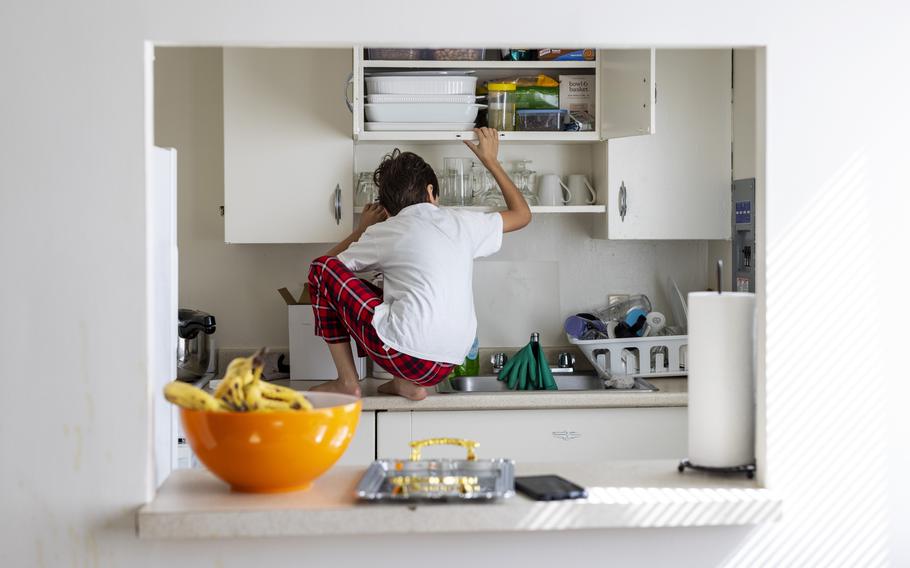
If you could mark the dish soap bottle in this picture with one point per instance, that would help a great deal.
(471, 365)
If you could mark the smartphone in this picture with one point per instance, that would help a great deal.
(549, 488)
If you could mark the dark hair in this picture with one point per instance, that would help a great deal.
(402, 179)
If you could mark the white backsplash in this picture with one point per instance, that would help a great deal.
(514, 298)
(584, 272)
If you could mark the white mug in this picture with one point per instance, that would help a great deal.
(551, 191)
(581, 188)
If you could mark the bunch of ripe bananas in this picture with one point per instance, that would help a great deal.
(241, 390)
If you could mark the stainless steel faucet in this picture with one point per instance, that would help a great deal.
(499, 361)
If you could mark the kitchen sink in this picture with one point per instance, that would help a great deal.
(564, 382)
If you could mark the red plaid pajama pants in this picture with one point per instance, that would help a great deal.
(343, 307)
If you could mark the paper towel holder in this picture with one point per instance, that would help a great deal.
(748, 469)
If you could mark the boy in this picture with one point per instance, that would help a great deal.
(422, 323)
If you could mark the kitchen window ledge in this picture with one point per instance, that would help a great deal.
(194, 504)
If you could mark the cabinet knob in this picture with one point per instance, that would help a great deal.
(338, 204)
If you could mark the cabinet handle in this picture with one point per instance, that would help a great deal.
(622, 201)
(347, 83)
(337, 204)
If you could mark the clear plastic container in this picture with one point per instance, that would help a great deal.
(455, 54)
(394, 53)
(501, 106)
(541, 120)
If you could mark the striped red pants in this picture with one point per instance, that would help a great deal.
(343, 307)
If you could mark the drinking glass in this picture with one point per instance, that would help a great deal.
(478, 180)
(455, 182)
(523, 176)
(366, 190)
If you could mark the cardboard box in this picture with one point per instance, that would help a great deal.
(576, 93)
(309, 354)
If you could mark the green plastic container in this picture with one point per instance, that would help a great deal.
(535, 97)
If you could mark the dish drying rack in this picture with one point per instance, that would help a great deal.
(619, 361)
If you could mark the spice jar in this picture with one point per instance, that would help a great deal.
(501, 106)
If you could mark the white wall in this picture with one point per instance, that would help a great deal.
(238, 283)
(72, 232)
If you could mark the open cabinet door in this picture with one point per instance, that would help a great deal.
(628, 92)
(675, 184)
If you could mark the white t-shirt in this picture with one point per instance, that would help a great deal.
(426, 256)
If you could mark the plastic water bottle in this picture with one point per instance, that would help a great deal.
(626, 310)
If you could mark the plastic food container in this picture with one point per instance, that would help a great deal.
(421, 112)
(394, 53)
(501, 110)
(418, 126)
(463, 99)
(456, 54)
(421, 85)
(542, 119)
(536, 97)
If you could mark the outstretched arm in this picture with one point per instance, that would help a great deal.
(372, 214)
(517, 214)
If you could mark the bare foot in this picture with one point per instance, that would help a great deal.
(339, 386)
(403, 388)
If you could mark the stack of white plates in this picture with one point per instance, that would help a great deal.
(425, 100)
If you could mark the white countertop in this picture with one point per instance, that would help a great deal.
(673, 392)
(194, 504)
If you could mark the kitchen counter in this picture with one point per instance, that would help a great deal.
(195, 504)
(673, 392)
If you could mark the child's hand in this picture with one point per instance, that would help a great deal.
(372, 214)
(487, 147)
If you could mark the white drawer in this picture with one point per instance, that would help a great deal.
(544, 435)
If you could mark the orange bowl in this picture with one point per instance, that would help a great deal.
(258, 452)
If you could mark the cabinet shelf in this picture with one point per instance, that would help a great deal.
(534, 209)
(448, 136)
(432, 64)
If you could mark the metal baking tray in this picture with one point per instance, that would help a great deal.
(438, 479)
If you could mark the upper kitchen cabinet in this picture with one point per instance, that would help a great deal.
(675, 183)
(617, 86)
(288, 152)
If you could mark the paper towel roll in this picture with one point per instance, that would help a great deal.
(721, 378)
